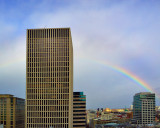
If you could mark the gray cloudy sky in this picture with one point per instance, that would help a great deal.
(122, 32)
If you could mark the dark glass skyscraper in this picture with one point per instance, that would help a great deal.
(49, 78)
(79, 110)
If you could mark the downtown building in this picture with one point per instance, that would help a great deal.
(12, 111)
(144, 108)
(49, 78)
(79, 110)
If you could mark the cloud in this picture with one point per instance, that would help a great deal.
(12, 66)
(124, 33)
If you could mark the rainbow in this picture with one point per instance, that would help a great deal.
(128, 75)
(11, 62)
(115, 68)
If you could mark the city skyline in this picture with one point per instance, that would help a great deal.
(121, 33)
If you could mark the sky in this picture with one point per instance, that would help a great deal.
(123, 33)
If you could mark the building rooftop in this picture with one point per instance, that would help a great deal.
(9, 95)
(143, 93)
(47, 28)
(6, 95)
(77, 93)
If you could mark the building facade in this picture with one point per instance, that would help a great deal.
(144, 108)
(79, 110)
(49, 78)
(12, 111)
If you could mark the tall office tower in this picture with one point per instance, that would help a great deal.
(79, 110)
(144, 108)
(49, 78)
(12, 111)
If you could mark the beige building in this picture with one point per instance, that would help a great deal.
(91, 114)
(49, 78)
(106, 116)
(12, 111)
(79, 110)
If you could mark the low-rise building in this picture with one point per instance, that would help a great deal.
(12, 111)
(106, 116)
(97, 122)
(91, 114)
